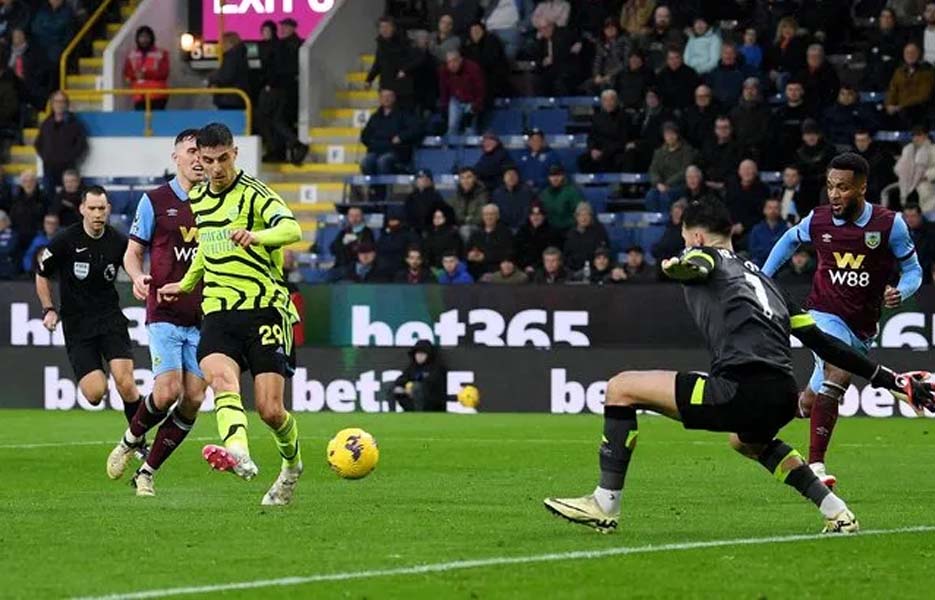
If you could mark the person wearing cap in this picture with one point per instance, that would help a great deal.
(513, 198)
(533, 237)
(667, 169)
(493, 159)
(560, 199)
(607, 139)
(785, 128)
(676, 81)
(441, 238)
(454, 272)
(635, 267)
(147, 67)
(493, 238)
(751, 120)
(814, 155)
(424, 200)
(395, 238)
(602, 266)
(470, 197)
(462, 93)
(422, 386)
(364, 269)
(584, 238)
(507, 273)
(415, 271)
(389, 136)
(535, 163)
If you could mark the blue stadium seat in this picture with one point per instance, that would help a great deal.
(569, 158)
(551, 121)
(467, 157)
(440, 161)
(647, 237)
(506, 121)
(597, 196)
(621, 238)
(323, 238)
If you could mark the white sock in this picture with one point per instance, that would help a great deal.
(129, 439)
(831, 506)
(608, 500)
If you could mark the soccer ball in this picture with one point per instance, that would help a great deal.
(353, 453)
(469, 396)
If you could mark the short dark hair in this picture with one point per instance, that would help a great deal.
(387, 19)
(450, 253)
(849, 161)
(97, 190)
(552, 251)
(214, 135)
(861, 131)
(913, 207)
(186, 134)
(413, 248)
(711, 215)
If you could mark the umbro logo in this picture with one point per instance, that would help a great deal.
(172, 212)
(826, 237)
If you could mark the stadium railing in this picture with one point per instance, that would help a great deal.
(77, 38)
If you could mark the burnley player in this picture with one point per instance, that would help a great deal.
(859, 246)
(751, 391)
(165, 227)
(86, 256)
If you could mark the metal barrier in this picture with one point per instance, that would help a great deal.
(76, 39)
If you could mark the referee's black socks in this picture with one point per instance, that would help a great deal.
(129, 408)
(617, 445)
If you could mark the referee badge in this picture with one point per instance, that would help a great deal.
(81, 269)
(872, 239)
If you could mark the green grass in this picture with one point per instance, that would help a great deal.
(456, 488)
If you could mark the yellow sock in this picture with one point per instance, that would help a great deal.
(232, 421)
(287, 440)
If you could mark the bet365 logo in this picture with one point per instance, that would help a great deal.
(262, 7)
(853, 276)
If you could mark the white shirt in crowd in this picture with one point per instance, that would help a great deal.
(504, 16)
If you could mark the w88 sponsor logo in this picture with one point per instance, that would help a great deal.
(850, 278)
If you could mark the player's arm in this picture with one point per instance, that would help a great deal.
(47, 266)
(910, 271)
(281, 227)
(141, 234)
(786, 246)
(694, 265)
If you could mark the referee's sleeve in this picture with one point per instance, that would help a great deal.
(51, 256)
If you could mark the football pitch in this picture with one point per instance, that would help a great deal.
(454, 510)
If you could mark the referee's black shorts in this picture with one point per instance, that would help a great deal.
(753, 402)
(89, 350)
(258, 340)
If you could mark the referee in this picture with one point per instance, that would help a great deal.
(242, 227)
(86, 256)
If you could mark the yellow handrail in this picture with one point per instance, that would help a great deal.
(147, 93)
(76, 39)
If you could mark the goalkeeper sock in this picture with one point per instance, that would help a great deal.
(801, 477)
(287, 440)
(620, 431)
(232, 422)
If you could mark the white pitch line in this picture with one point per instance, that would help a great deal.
(491, 562)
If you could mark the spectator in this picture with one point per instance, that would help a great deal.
(506, 274)
(513, 198)
(422, 386)
(661, 37)
(354, 232)
(14, 14)
(696, 189)
(601, 269)
(744, 198)
(721, 155)
(667, 171)
(557, 12)
(68, 199)
(726, 79)
(454, 272)
(389, 136)
(533, 238)
(476, 262)
(61, 144)
(493, 160)
(634, 81)
(635, 16)
(796, 199)
(886, 47)
(767, 232)
(233, 72)
(698, 119)
(552, 271)
(364, 268)
(750, 50)
(671, 243)
(470, 197)
(881, 164)
(787, 54)
(607, 139)
(635, 267)
(274, 121)
(703, 49)
(52, 28)
(558, 58)
(647, 132)
(395, 239)
(928, 33)
(785, 126)
(677, 81)
(560, 199)
(415, 271)
(841, 120)
(423, 201)
(751, 120)
(50, 227)
(584, 238)
(11, 102)
(27, 209)
(915, 171)
(493, 238)
(28, 65)
(394, 63)
(819, 79)
(610, 58)
(27, 189)
(487, 51)
(268, 51)
(443, 237)
(589, 17)
(799, 271)
(424, 76)
(147, 68)
(462, 93)
(537, 161)
(813, 155)
(464, 12)
(9, 248)
(910, 90)
(444, 41)
(289, 45)
(923, 238)
(503, 18)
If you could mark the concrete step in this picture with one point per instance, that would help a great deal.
(309, 194)
(337, 153)
(112, 29)
(90, 66)
(334, 135)
(23, 155)
(126, 11)
(335, 172)
(367, 60)
(358, 99)
(346, 117)
(82, 82)
(310, 211)
(98, 47)
(16, 169)
(29, 135)
(309, 227)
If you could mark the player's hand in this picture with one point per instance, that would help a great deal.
(141, 287)
(679, 270)
(891, 297)
(170, 292)
(916, 390)
(243, 238)
(50, 320)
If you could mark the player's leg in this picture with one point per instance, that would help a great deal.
(788, 466)
(94, 386)
(117, 350)
(223, 375)
(626, 392)
(85, 358)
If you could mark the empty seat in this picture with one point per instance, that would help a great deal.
(439, 160)
(506, 121)
(323, 238)
(551, 121)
